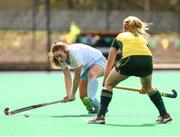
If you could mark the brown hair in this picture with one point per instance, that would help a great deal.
(135, 25)
(55, 47)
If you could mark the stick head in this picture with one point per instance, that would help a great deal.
(6, 111)
(174, 93)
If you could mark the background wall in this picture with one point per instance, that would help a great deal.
(28, 27)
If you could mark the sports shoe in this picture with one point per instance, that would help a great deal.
(93, 112)
(159, 120)
(164, 119)
(97, 120)
(86, 101)
(96, 104)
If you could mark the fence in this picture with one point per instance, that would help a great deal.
(26, 34)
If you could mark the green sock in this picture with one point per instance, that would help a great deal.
(105, 100)
(158, 102)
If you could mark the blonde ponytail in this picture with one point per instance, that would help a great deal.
(135, 25)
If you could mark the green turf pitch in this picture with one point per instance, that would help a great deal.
(130, 113)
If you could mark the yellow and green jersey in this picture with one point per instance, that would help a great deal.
(131, 45)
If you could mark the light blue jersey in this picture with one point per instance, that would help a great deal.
(85, 56)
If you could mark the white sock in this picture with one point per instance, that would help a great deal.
(92, 88)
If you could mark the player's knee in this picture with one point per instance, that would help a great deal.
(91, 75)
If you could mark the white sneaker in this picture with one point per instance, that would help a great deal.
(97, 120)
(164, 119)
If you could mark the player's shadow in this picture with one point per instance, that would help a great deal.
(81, 115)
(131, 125)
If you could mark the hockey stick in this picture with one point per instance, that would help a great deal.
(169, 95)
(8, 112)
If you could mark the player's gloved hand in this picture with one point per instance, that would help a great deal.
(69, 98)
(65, 99)
(142, 91)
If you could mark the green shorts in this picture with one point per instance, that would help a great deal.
(139, 65)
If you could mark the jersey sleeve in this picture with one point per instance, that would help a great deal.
(117, 43)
